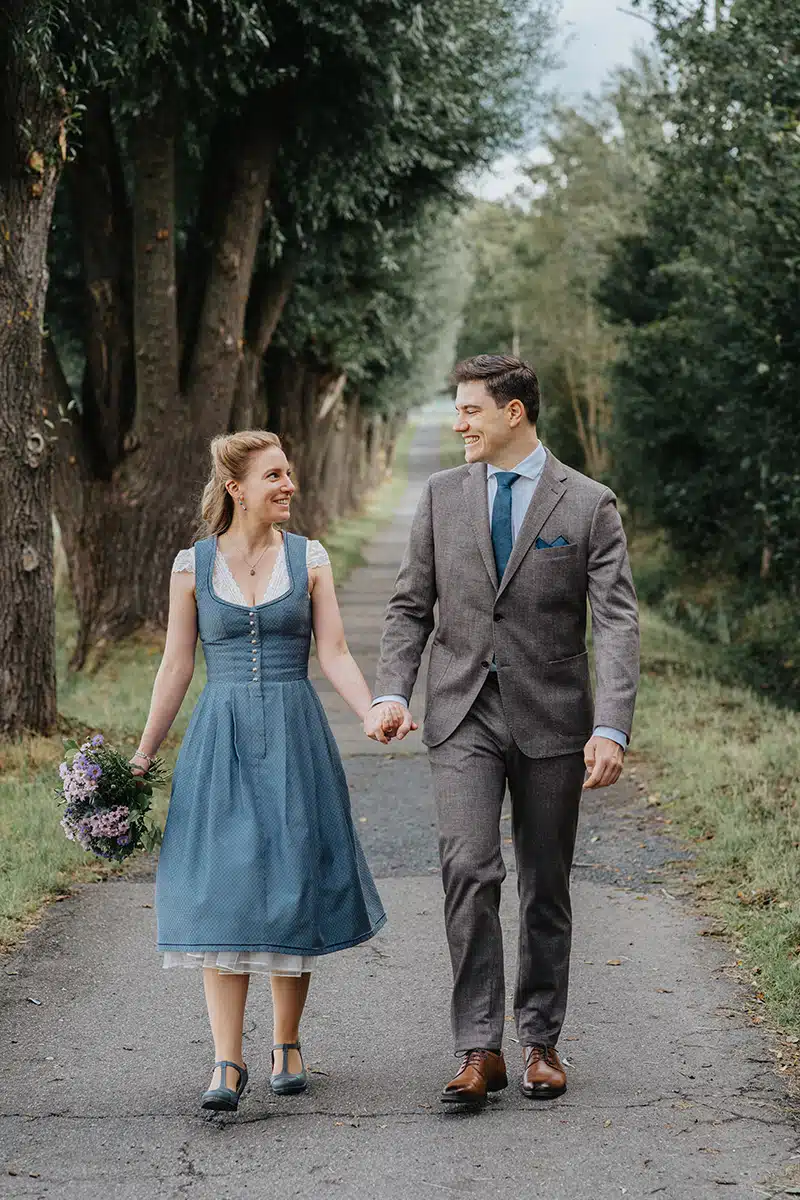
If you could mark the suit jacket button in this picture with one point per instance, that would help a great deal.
(486, 663)
(499, 616)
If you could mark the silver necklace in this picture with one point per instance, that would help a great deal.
(253, 566)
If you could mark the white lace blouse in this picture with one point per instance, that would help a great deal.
(226, 586)
(245, 962)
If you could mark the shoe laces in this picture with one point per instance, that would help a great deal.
(474, 1058)
(546, 1054)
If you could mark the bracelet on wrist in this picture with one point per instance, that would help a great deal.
(142, 754)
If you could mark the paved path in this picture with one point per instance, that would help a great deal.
(672, 1092)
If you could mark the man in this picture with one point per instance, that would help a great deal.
(510, 545)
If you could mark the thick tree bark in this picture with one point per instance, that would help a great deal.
(155, 310)
(377, 449)
(31, 155)
(265, 308)
(304, 404)
(120, 534)
(217, 356)
(122, 527)
(103, 220)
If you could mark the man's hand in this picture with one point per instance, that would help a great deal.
(388, 720)
(604, 758)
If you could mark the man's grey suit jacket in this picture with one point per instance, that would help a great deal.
(534, 623)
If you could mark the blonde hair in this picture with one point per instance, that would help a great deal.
(230, 455)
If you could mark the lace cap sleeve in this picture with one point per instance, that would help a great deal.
(317, 555)
(184, 561)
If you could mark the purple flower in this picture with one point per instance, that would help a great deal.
(98, 739)
(110, 822)
(93, 771)
(124, 840)
(63, 770)
(78, 787)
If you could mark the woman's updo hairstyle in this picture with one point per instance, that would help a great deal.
(230, 454)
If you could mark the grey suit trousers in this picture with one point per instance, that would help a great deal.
(470, 770)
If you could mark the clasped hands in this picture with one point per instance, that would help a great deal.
(389, 720)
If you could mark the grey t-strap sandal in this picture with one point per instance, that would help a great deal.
(284, 1083)
(222, 1098)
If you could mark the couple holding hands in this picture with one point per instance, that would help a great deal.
(261, 870)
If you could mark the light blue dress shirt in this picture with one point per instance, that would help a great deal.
(530, 472)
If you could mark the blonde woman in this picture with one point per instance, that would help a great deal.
(260, 870)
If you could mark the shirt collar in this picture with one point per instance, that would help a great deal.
(531, 467)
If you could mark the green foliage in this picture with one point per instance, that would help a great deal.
(537, 261)
(381, 267)
(705, 392)
(724, 764)
(375, 118)
(381, 303)
(754, 628)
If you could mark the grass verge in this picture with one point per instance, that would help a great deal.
(721, 761)
(37, 863)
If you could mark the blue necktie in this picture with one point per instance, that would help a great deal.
(502, 530)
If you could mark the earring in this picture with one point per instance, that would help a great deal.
(241, 501)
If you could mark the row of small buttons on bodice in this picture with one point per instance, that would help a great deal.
(254, 642)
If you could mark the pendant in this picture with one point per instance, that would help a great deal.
(252, 572)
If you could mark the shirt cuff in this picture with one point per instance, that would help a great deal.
(383, 700)
(615, 735)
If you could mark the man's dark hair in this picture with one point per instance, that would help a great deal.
(506, 378)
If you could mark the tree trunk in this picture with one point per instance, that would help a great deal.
(121, 534)
(575, 402)
(122, 526)
(303, 414)
(376, 449)
(215, 370)
(103, 220)
(32, 150)
(264, 311)
(155, 308)
(394, 426)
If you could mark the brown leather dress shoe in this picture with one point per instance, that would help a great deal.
(481, 1071)
(544, 1077)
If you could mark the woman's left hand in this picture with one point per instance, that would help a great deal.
(136, 766)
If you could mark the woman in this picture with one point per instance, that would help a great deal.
(260, 870)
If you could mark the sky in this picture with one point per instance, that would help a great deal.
(596, 36)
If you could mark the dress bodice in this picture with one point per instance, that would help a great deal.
(226, 586)
(264, 643)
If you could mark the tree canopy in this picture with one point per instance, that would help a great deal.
(705, 390)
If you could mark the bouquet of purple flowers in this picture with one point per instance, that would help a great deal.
(106, 805)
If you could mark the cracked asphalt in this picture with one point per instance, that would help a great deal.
(672, 1091)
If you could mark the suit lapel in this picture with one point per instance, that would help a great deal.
(475, 494)
(549, 490)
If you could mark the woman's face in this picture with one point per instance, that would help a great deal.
(267, 488)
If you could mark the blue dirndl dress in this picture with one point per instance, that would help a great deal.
(259, 850)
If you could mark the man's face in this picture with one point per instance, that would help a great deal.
(485, 428)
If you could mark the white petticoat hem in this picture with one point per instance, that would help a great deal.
(242, 962)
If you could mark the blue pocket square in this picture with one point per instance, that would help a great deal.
(541, 544)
